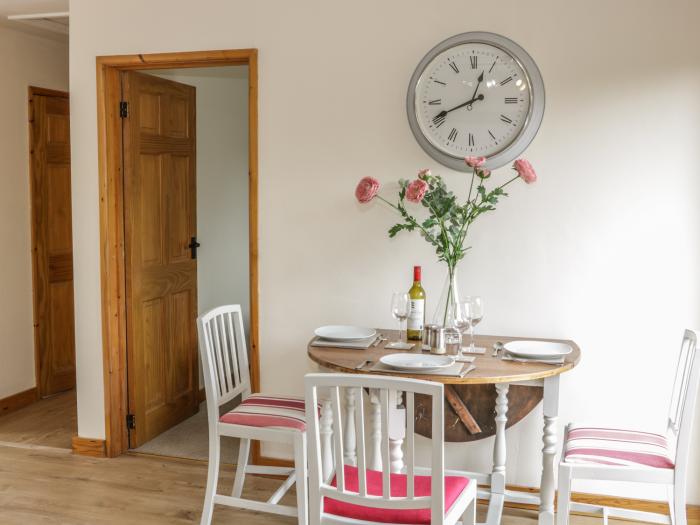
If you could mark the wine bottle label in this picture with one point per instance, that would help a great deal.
(417, 314)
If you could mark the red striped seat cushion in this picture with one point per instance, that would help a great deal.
(624, 448)
(454, 486)
(260, 410)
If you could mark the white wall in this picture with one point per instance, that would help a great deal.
(25, 60)
(222, 183)
(603, 250)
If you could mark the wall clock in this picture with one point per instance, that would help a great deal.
(475, 94)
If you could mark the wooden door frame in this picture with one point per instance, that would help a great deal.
(34, 91)
(111, 195)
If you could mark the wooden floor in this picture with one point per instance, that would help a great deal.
(49, 422)
(56, 487)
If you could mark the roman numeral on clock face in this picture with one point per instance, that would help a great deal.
(454, 67)
(453, 135)
(438, 82)
(471, 139)
(506, 80)
(439, 120)
(506, 119)
(511, 100)
(492, 135)
(435, 102)
(474, 61)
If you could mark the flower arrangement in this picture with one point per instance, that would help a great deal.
(447, 223)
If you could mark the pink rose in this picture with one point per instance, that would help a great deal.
(525, 170)
(416, 190)
(475, 162)
(367, 189)
(484, 173)
(425, 172)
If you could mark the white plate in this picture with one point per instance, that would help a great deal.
(408, 362)
(338, 332)
(537, 349)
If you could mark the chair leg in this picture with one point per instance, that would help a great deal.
(564, 496)
(300, 465)
(243, 454)
(212, 477)
(469, 515)
(678, 511)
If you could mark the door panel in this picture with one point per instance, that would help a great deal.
(161, 276)
(52, 243)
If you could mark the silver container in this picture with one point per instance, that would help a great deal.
(429, 335)
(439, 344)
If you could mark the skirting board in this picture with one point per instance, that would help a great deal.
(94, 448)
(660, 507)
(19, 400)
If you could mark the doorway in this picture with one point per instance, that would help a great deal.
(149, 295)
(50, 419)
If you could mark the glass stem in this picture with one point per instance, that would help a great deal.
(471, 336)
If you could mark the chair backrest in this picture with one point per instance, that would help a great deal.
(224, 355)
(684, 397)
(334, 386)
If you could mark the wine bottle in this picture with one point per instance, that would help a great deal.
(416, 318)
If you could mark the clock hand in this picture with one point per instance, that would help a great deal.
(479, 81)
(437, 119)
(441, 116)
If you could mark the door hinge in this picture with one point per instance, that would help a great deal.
(123, 109)
(130, 421)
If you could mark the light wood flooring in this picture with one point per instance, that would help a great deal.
(49, 422)
(54, 487)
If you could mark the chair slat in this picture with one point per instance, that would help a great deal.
(221, 330)
(386, 462)
(234, 350)
(410, 446)
(217, 359)
(338, 439)
(360, 438)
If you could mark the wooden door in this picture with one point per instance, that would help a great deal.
(161, 273)
(52, 241)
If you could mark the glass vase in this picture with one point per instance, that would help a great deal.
(445, 310)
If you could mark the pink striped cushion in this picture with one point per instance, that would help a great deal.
(624, 448)
(454, 486)
(260, 410)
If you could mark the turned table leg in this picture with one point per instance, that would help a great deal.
(549, 439)
(349, 439)
(498, 474)
(397, 431)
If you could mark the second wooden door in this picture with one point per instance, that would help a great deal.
(161, 269)
(52, 241)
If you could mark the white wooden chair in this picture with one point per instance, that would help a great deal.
(356, 495)
(622, 455)
(265, 418)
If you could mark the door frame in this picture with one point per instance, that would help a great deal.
(111, 195)
(32, 92)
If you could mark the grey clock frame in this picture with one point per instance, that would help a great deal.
(532, 121)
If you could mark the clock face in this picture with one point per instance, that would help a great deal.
(472, 99)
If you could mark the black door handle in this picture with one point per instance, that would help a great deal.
(193, 245)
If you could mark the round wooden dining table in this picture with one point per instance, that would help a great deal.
(488, 369)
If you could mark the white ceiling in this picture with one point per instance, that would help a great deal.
(56, 29)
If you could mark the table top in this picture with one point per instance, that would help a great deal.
(489, 369)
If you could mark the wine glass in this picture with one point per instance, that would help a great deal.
(400, 308)
(461, 319)
(471, 308)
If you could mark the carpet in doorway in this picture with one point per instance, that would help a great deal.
(190, 439)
